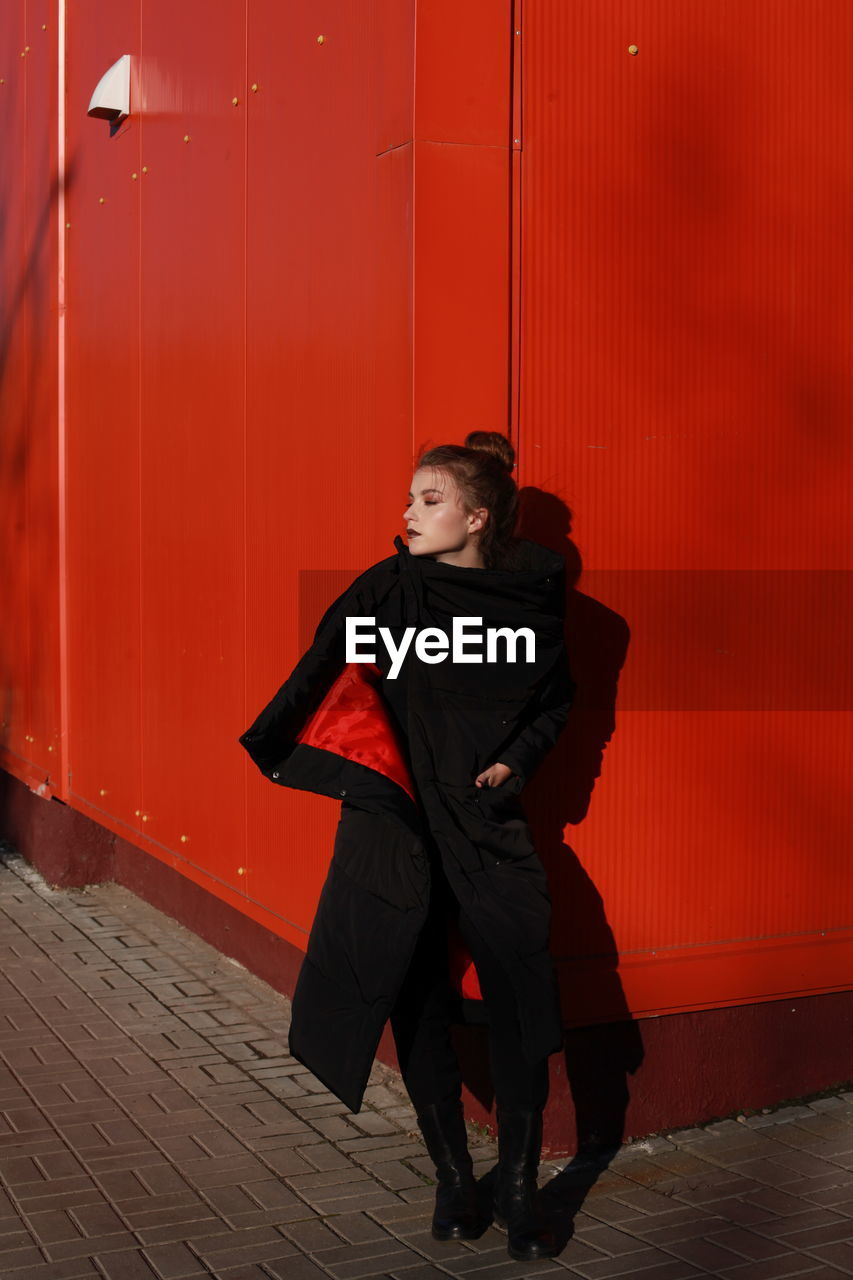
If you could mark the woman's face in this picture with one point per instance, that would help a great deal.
(435, 520)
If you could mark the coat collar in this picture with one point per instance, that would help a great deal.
(538, 583)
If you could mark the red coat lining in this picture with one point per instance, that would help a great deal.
(352, 722)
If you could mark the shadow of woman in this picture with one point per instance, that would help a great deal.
(603, 1044)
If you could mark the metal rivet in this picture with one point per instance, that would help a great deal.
(44, 26)
(184, 839)
(241, 871)
(276, 774)
(343, 791)
(134, 176)
(50, 748)
(145, 168)
(137, 812)
(633, 50)
(186, 137)
(321, 39)
(234, 101)
(145, 817)
(68, 226)
(101, 201)
(254, 88)
(103, 791)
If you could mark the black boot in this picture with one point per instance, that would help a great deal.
(515, 1205)
(457, 1216)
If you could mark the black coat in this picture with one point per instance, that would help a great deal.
(403, 756)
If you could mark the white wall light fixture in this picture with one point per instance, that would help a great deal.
(111, 99)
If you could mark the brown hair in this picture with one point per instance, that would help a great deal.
(481, 469)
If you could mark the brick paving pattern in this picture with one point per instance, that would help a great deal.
(152, 1127)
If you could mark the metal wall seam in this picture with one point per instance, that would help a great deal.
(62, 787)
(515, 179)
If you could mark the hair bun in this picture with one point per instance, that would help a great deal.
(493, 442)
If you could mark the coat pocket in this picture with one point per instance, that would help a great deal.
(493, 818)
(500, 803)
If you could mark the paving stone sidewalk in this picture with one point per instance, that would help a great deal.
(152, 1127)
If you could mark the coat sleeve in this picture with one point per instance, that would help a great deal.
(271, 735)
(547, 720)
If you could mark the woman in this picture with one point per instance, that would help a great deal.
(429, 753)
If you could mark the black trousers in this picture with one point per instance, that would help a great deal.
(420, 1019)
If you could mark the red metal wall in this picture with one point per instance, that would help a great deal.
(686, 326)
(29, 515)
(237, 406)
(638, 261)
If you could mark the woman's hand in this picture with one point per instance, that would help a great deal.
(494, 776)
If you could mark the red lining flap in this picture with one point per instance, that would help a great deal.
(353, 722)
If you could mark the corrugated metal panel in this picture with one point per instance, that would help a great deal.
(685, 397)
(102, 429)
(191, 414)
(29, 649)
(42, 475)
(462, 100)
(329, 399)
(15, 710)
(239, 408)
